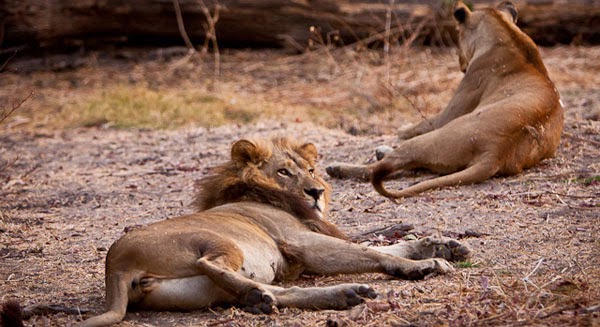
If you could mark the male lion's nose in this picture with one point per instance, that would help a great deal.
(314, 192)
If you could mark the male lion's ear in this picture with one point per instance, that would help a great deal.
(461, 12)
(308, 151)
(244, 151)
(509, 9)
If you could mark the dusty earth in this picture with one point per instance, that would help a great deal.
(67, 193)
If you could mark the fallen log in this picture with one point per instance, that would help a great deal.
(268, 23)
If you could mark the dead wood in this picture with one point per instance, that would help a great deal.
(270, 23)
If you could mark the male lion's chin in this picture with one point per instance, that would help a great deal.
(319, 213)
(318, 210)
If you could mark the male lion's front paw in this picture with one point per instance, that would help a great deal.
(355, 293)
(441, 247)
(343, 296)
(422, 268)
(258, 301)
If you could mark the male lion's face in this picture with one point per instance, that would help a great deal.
(289, 166)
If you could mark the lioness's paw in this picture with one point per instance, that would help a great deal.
(441, 247)
(382, 150)
(258, 301)
(342, 170)
(336, 170)
(406, 132)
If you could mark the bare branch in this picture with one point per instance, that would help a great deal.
(5, 113)
(181, 26)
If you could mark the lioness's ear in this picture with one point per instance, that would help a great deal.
(461, 12)
(308, 151)
(244, 151)
(509, 9)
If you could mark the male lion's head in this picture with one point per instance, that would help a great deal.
(279, 171)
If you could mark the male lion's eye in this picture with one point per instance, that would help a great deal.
(284, 172)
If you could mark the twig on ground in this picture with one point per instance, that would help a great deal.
(526, 278)
(579, 138)
(557, 311)
(593, 308)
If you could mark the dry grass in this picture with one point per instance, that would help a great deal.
(339, 90)
(74, 190)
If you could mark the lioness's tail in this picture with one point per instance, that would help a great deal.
(118, 286)
(473, 174)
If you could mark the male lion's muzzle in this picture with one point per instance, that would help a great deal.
(315, 198)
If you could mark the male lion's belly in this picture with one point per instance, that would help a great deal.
(262, 261)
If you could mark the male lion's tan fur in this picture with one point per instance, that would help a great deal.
(505, 116)
(262, 218)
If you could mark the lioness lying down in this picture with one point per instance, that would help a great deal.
(262, 218)
(505, 116)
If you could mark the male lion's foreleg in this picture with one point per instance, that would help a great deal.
(325, 255)
(253, 296)
(428, 247)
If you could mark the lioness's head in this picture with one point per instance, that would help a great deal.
(482, 29)
(273, 171)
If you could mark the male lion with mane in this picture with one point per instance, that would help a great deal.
(262, 217)
(505, 116)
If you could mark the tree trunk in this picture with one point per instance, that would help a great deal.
(240, 23)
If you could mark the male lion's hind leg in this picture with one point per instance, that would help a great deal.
(117, 289)
(262, 298)
(337, 297)
(252, 296)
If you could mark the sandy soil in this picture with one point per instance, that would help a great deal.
(67, 194)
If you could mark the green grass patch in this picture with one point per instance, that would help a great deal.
(591, 180)
(587, 181)
(127, 106)
(466, 264)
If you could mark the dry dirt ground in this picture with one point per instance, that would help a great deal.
(67, 193)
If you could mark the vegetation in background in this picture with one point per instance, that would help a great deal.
(135, 106)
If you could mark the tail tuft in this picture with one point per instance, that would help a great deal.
(11, 314)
